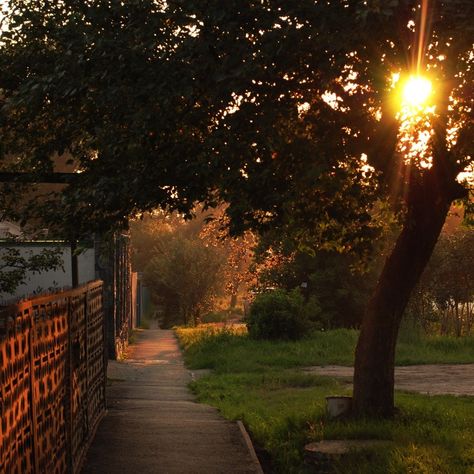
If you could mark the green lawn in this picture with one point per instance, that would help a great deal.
(284, 409)
(228, 352)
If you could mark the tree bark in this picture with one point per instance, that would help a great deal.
(428, 205)
(468, 319)
(458, 319)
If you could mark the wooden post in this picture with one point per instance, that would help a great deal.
(74, 265)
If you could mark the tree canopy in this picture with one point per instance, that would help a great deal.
(282, 109)
(274, 107)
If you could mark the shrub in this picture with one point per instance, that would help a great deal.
(215, 317)
(278, 315)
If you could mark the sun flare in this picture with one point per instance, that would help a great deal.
(415, 103)
(416, 91)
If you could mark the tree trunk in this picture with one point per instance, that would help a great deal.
(444, 321)
(458, 319)
(375, 354)
(468, 319)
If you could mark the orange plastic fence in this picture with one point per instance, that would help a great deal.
(52, 380)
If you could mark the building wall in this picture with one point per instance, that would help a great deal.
(53, 279)
(109, 261)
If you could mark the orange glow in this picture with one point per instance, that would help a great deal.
(416, 92)
(415, 104)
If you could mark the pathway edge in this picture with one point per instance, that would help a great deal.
(251, 449)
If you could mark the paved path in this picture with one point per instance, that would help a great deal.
(430, 379)
(154, 426)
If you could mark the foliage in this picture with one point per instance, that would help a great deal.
(184, 276)
(130, 89)
(332, 279)
(148, 229)
(443, 301)
(223, 259)
(280, 315)
(16, 265)
(284, 409)
(238, 251)
(104, 88)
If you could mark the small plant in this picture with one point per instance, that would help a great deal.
(278, 315)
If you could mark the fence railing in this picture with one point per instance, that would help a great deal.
(52, 380)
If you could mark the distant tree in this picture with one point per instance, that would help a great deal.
(444, 298)
(211, 229)
(184, 271)
(147, 231)
(184, 276)
(238, 251)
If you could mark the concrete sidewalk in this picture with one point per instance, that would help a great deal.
(154, 426)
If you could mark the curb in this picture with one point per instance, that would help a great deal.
(249, 444)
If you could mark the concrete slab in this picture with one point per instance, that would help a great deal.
(153, 424)
(442, 379)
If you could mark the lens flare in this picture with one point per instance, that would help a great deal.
(416, 91)
(416, 104)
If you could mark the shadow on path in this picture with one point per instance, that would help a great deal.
(154, 426)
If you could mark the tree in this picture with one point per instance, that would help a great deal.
(279, 108)
(184, 275)
(332, 279)
(15, 266)
(238, 251)
(446, 289)
(147, 231)
(183, 269)
(106, 83)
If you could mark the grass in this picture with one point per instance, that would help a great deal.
(436, 350)
(284, 409)
(225, 350)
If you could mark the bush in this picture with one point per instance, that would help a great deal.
(278, 315)
(215, 317)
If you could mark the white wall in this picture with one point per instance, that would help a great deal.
(41, 282)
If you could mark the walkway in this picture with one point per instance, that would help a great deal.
(154, 426)
(430, 379)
